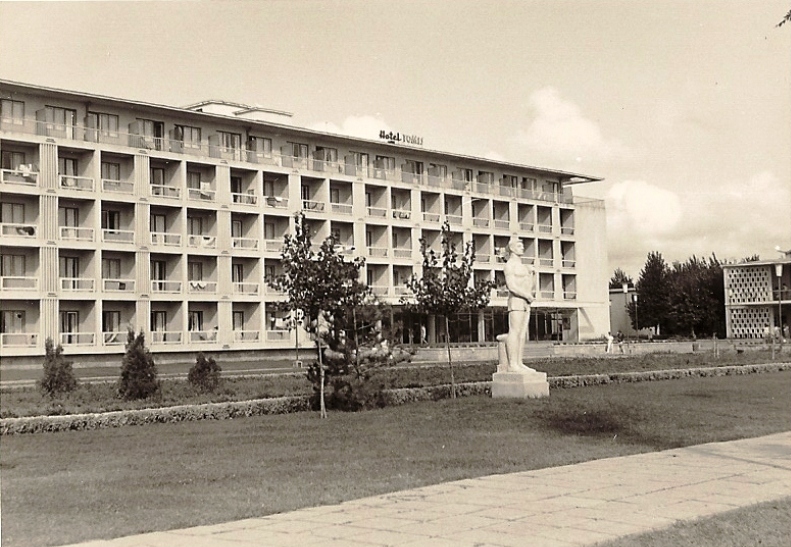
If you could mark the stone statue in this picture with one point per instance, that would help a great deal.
(521, 282)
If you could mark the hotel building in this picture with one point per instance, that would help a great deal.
(118, 214)
(757, 297)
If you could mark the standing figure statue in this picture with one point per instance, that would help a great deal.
(520, 280)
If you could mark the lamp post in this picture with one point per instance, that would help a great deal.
(779, 273)
(625, 287)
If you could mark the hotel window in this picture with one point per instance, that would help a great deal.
(158, 223)
(528, 183)
(269, 188)
(236, 228)
(195, 271)
(238, 320)
(157, 176)
(236, 185)
(12, 112)
(195, 321)
(549, 186)
(260, 145)
(269, 231)
(12, 213)
(111, 171)
(361, 159)
(329, 155)
(193, 180)
(465, 175)
(111, 268)
(106, 124)
(111, 220)
(69, 266)
(194, 226)
(12, 265)
(230, 141)
(158, 270)
(510, 181)
(69, 323)
(335, 195)
(269, 271)
(298, 150)
(414, 167)
(159, 321)
(485, 177)
(64, 117)
(305, 192)
(12, 321)
(237, 273)
(67, 166)
(111, 321)
(438, 170)
(189, 135)
(68, 216)
(385, 162)
(152, 132)
(11, 160)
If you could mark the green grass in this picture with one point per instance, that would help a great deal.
(67, 487)
(102, 397)
(765, 524)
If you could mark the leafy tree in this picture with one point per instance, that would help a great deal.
(619, 277)
(138, 371)
(653, 289)
(204, 374)
(446, 287)
(325, 287)
(58, 374)
(697, 297)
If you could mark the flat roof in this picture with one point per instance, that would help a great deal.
(564, 176)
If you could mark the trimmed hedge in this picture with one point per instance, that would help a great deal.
(391, 397)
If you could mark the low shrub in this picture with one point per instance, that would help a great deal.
(138, 371)
(58, 374)
(204, 375)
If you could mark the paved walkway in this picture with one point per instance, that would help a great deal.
(573, 505)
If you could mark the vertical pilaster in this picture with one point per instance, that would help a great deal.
(48, 162)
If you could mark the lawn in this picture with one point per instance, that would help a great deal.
(102, 397)
(66, 487)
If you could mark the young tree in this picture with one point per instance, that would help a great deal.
(204, 375)
(138, 371)
(619, 277)
(324, 286)
(653, 290)
(446, 287)
(58, 373)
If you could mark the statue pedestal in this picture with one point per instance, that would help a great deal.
(520, 385)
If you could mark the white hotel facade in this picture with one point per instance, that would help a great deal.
(117, 214)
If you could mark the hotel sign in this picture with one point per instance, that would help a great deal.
(398, 138)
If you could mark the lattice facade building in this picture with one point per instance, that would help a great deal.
(756, 297)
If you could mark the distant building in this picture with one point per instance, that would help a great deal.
(619, 314)
(117, 214)
(757, 295)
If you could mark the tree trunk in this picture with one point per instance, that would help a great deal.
(322, 406)
(450, 361)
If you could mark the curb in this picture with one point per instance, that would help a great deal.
(392, 397)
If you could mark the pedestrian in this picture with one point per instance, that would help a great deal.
(423, 339)
(620, 337)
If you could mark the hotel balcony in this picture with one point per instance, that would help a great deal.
(377, 212)
(118, 285)
(276, 202)
(204, 193)
(245, 243)
(78, 338)
(569, 295)
(165, 287)
(380, 290)
(248, 289)
(527, 226)
(113, 338)
(76, 233)
(202, 287)
(201, 242)
(567, 230)
(431, 217)
(569, 263)
(19, 177)
(118, 187)
(454, 220)
(377, 251)
(203, 336)
(246, 335)
(481, 222)
(77, 284)
(483, 257)
(546, 294)
(244, 199)
(502, 224)
(18, 283)
(321, 166)
(402, 214)
(313, 206)
(164, 239)
(164, 191)
(82, 184)
(277, 335)
(402, 252)
(545, 228)
(273, 245)
(110, 235)
(546, 262)
(21, 230)
(341, 208)
(18, 339)
(166, 337)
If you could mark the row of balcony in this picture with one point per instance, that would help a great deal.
(88, 285)
(110, 339)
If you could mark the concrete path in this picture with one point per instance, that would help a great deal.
(572, 505)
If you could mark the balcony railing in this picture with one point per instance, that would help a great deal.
(202, 287)
(545, 228)
(569, 295)
(277, 335)
(250, 289)
(76, 233)
(480, 222)
(321, 166)
(546, 262)
(403, 252)
(502, 224)
(170, 287)
(377, 212)
(276, 201)
(244, 199)
(111, 235)
(18, 230)
(18, 283)
(18, 339)
(166, 337)
(202, 242)
(431, 217)
(528, 260)
(454, 219)
(118, 186)
(203, 336)
(341, 208)
(567, 230)
(77, 284)
(165, 239)
(246, 243)
(377, 251)
(380, 290)
(164, 191)
(201, 194)
(547, 295)
(402, 214)
(114, 338)
(273, 245)
(71, 182)
(483, 257)
(246, 335)
(77, 338)
(312, 205)
(526, 226)
(19, 177)
(118, 285)
(569, 263)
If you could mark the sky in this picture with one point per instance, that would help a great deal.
(682, 107)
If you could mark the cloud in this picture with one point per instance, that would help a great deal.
(366, 127)
(560, 131)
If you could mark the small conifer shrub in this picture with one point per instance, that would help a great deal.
(204, 375)
(58, 375)
(138, 371)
